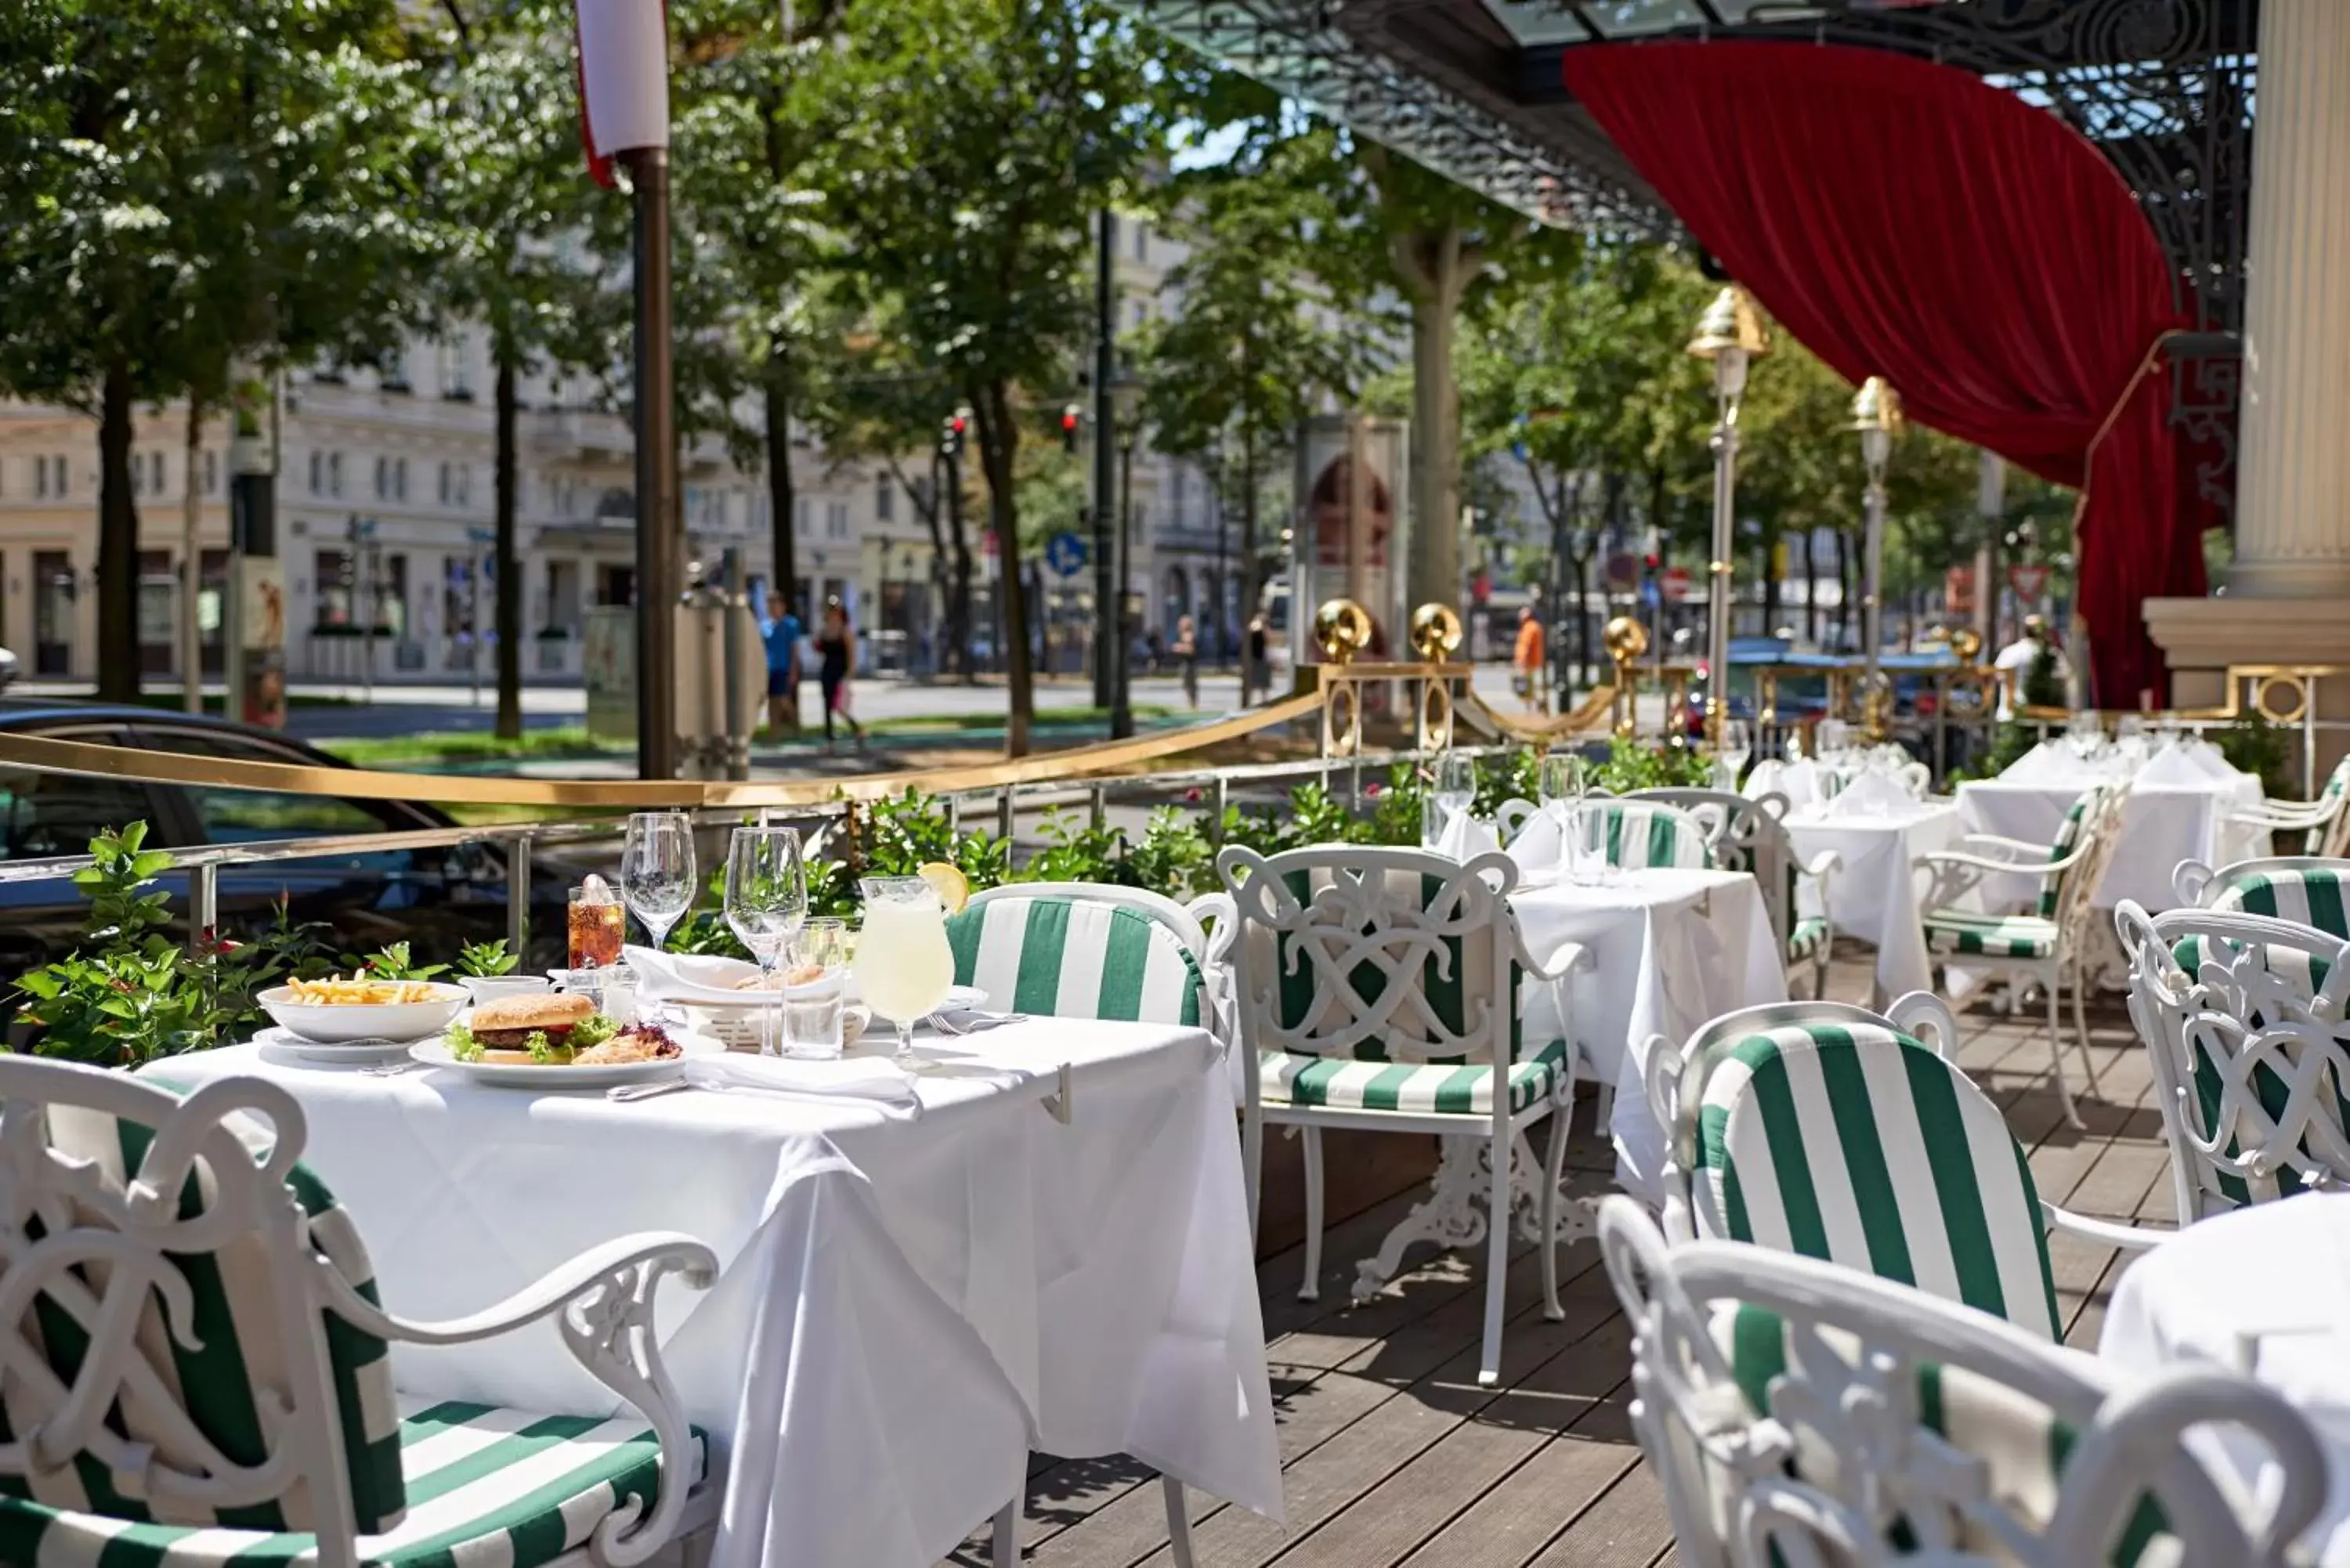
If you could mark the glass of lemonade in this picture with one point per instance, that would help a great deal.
(903, 965)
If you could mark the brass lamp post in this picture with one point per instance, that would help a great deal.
(1877, 415)
(1731, 336)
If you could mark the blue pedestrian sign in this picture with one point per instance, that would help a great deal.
(1066, 553)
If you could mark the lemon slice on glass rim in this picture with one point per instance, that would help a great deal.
(950, 884)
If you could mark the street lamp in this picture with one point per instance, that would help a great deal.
(1877, 415)
(1126, 400)
(1731, 335)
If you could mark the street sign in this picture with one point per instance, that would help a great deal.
(1676, 584)
(1623, 571)
(1066, 553)
(2027, 581)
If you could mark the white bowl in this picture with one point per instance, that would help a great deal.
(336, 1023)
(491, 987)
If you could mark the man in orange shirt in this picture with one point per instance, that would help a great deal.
(1528, 659)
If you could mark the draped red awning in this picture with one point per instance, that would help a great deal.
(1905, 219)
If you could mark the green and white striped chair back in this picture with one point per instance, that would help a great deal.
(1377, 955)
(153, 1247)
(2334, 842)
(1744, 833)
(1825, 1130)
(1066, 956)
(2305, 889)
(1798, 1413)
(1647, 833)
(2068, 833)
(2244, 1018)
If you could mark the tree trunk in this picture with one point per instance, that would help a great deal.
(1812, 586)
(1252, 591)
(781, 501)
(1844, 592)
(506, 610)
(1581, 562)
(118, 543)
(1224, 606)
(1433, 571)
(999, 440)
(1771, 583)
(192, 562)
(959, 596)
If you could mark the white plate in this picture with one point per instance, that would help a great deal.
(348, 1053)
(435, 1053)
(330, 1023)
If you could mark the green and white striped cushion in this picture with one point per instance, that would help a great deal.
(2068, 833)
(2315, 896)
(2302, 974)
(1810, 935)
(1345, 1085)
(1857, 1144)
(240, 1365)
(487, 1488)
(2018, 1440)
(1642, 834)
(1076, 958)
(1994, 936)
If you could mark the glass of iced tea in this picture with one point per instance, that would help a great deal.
(599, 925)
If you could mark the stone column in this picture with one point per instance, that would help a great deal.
(2283, 602)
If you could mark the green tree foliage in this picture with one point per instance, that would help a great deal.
(188, 182)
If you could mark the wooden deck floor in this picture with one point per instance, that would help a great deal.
(1392, 1455)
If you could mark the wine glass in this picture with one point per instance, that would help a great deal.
(1562, 780)
(1455, 786)
(903, 964)
(657, 871)
(766, 900)
(1737, 746)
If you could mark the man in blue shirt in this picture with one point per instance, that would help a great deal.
(781, 632)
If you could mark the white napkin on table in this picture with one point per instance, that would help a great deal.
(688, 977)
(1541, 843)
(1766, 775)
(1799, 783)
(2047, 764)
(1872, 794)
(1465, 837)
(2187, 764)
(874, 1079)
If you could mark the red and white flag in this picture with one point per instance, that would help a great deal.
(623, 78)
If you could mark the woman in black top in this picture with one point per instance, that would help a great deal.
(836, 647)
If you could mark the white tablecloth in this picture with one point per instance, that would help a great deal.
(2161, 825)
(1872, 896)
(2266, 1290)
(905, 1307)
(1673, 949)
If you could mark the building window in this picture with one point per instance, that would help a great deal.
(318, 472)
(464, 484)
(448, 485)
(212, 472)
(382, 478)
(456, 377)
(40, 477)
(334, 473)
(155, 471)
(399, 480)
(1142, 242)
(836, 520)
(58, 475)
(885, 499)
(801, 512)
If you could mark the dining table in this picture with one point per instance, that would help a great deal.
(913, 1296)
(2264, 1290)
(1873, 893)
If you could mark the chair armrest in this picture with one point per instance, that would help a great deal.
(1982, 842)
(2104, 1232)
(1567, 958)
(1820, 865)
(2004, 868)
(2283, 814)
(642, 1258)
(1222, 916)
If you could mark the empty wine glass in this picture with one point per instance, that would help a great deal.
(1562, 780)
(1455, 786)
(766, 901)
(657, 871)
(1737, 746)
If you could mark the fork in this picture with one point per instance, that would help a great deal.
(392, 1069)
(972, 1021)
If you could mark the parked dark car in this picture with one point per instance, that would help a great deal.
(433, 898)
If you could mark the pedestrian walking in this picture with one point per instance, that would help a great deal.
(1527, 658)
(780, 632)
(1187, 658)
(1254, 673)
(836, 648)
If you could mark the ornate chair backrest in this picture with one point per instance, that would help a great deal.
(2304, 888)
(1744, 832)
(2094, 825)
(171, 1281)
(1377, 955)
(1825, 1129)
(2334, 842)
(2245, 1019)
(1644, 832)
(1082, 950)
(1797, 1413)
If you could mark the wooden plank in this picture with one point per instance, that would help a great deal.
(1629, 1527)
(1519, 1517)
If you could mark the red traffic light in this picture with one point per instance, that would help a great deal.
(956, 424)
(1069, 419)
(1652, 562)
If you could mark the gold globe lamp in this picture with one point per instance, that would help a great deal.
(1435, 632)
(1342, 628)
(1731, 335)
(1625, 638)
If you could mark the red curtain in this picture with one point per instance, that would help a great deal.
(1904, 219)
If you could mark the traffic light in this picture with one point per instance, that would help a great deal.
(1071, 422)
(951, 435)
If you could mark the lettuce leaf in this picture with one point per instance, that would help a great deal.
(462, 1046)
(545, 1051)
(593, 1030)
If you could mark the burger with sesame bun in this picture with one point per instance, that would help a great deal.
(521, 1031)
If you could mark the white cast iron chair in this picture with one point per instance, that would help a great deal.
(194, 1348)
(1749, 833)
(1800, 1413)
(1189, 922)
(2308, 889)
(2243, 1017)
(1896, 1144)
(2045, 947)
(2327, 819)
(1379, 990)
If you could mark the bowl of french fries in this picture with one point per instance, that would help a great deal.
(339, 1012)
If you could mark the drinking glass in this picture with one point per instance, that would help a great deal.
(766, 900)
(657, 871)
(596, 926)
(813, 990)
(903, 964)
(1562, 780)
(1455, 786)
(1737, 746)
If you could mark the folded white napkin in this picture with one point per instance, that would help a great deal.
(1766, 775)
(1465, 837)
(874, 1079)
(1541, 843)
(2187, 764)
(2047, 762)
(1799, 780)
(1874, 793)
(690, 977)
